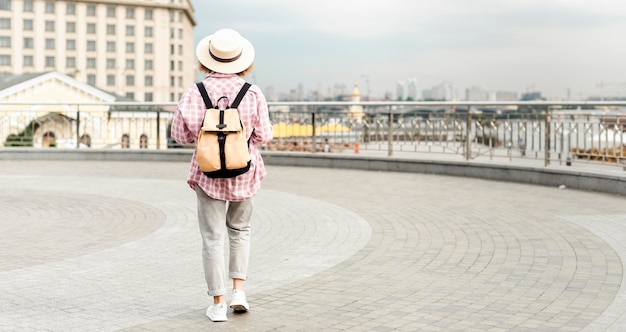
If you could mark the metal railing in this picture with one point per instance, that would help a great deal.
(549, 131)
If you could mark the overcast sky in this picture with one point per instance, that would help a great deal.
(510, 45)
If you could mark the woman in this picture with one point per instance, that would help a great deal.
(224, 204)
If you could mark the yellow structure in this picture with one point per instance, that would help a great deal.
(356, 111)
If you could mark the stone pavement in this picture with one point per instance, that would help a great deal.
(104, 246)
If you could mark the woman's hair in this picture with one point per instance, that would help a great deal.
(209, 71)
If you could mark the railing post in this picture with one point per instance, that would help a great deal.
(158, 129)
(546, 144)
(468, 129)
(313, 138)
(77, 126)
(390, 133)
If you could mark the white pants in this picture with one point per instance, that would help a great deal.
(215, 217)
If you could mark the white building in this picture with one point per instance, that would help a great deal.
(411, 89)
(476, 94)
(400, 95)
(442, 91)
(143, 50)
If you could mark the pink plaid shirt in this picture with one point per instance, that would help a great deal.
(255, 117)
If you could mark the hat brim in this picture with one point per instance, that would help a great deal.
(237, 66)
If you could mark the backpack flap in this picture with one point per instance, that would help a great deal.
(222, 120)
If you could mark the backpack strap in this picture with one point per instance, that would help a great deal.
(205, 95)
(240, 95)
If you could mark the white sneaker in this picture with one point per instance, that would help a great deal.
(239, 303)
(217, 312)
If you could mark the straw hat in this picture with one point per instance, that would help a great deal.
(225, 51)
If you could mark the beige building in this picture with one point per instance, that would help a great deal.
(143, 50)
(51, 109)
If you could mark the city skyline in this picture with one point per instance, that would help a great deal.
(557, 47)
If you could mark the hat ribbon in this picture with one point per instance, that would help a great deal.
(216, 58)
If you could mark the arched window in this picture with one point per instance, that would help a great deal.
(85, 140)
(49, 140)
(125, 141)
(143, 141)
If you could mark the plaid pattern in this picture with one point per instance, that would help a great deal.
(255, 117)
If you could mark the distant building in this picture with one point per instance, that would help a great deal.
(356, 111)
(443, 91)
(531, 96)
(400, 90)
(143, 50)
(505, 96)
(476, 94)
(411, 89)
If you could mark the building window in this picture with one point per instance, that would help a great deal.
(91, 79)
(110, 11)
(70, 27)
(172, 33)
(5, 4)
(28, 42)
(130, 80)
(110, 46)
(148, 81)
(110, 63)
(180, 65)
(5, 23)
(5, 60)
(147, 96)
(130, 95)
(70, 44)
(180, 49)
(91, 62)
(91, 45)
(50, 7)
(70, 62)
(28, 25)
(172, 81)
(28, 61)
(49, 61)
(125, 144)
(110, 29)
(172, 96)
(172, 16)
(130, 64)
(148, 48)
(148, 32)
(49, 43)
(172, 66)
(143, 141)
(91, 28)
(130, 12)
(91, 10)
(180, 33)
(148, 65)
(130, 30)
(172, 48)
(49, 25)
(110, 80)
(5, 42)
(130, 47)
(28, 5)
(70, 9)
(148, 14)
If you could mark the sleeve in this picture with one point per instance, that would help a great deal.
(180, 129)
(263, 131)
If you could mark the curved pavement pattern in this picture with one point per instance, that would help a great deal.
(100, 246)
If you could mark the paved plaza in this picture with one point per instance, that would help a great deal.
(108, 246)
